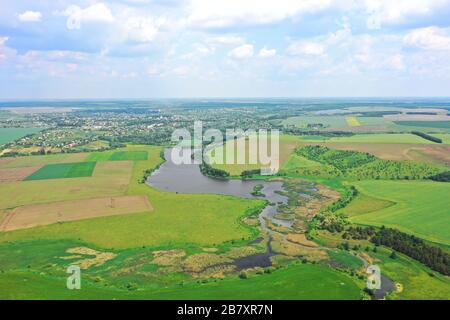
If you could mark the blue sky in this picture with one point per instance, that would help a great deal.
(223, 48)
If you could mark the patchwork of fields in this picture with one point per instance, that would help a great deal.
(360, 123)
(174, 218)
(94, 206)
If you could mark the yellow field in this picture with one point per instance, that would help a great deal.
(352, 121)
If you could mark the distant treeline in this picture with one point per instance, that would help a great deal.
(432, 256)
(209, 171)
(156, 138)
(303, 132)
(427, 136)
(441, 177)
(377, 114)
(423, 113)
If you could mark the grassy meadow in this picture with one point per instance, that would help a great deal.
(11, 134)
(425, 214)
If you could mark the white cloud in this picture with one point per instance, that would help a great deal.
(242, 52)
(5, 52)
(312, 48)
(226, 13)
(3, 48)
(181, 71)
(430, 38)
(95, 13)
(267, 53)
(143, 29)
(396, 62)
(399, 11)
(227, 40)
(30, 16)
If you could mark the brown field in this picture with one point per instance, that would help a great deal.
(430, 153)
(73, 210)
(110, 179)
(32, 161)
(16, 174)
(5, 161)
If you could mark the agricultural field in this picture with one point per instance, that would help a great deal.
(425, 124)
(386, 138)
(287, 146)
(424, 215)
(11, 134)
(175, 218)
(118, 156)
(63, 171)
(41, 160)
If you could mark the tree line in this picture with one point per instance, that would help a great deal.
(427, 136)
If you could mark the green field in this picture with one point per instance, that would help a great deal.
(425, 124)
(118, 156)
(421, 207)
(295, 161)
(305, 282)
(287, 145)
(363, 204)
(328, 122)
(383, 138)
(11, 134)
(343, 259)
(63, 171)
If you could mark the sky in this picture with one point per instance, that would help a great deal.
(80, 49)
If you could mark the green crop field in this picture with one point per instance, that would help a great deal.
(425, 124)
(11, 134)
(425, 214)
(382, 138)
(63, 171)
(118, 156)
